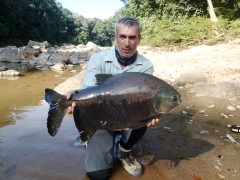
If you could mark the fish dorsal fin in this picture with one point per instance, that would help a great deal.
(102, 77)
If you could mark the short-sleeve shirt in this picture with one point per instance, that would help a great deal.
(105, 62)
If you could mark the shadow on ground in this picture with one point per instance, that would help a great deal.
(172, 140)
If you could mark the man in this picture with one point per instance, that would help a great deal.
(123, 58)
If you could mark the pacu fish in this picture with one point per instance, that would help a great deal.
(123, 101)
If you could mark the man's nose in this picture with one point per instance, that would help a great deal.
(127, 42)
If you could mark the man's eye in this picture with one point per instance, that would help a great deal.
(122, 37)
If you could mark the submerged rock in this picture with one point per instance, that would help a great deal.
(58, 67)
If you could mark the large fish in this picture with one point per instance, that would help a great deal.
(126, 100)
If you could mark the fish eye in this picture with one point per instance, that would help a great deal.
(174, 98)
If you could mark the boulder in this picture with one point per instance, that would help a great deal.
(31, 53)
(37, 45)
(10, 54)
(58, 67)
(9, 73)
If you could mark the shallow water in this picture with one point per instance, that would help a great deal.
(28, 152)
(26, 149)
(18, 94)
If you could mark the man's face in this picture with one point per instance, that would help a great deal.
(127, 40)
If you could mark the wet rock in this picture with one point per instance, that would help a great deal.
(70, 66)
(20, 67)
(9, 73)
(58, 67)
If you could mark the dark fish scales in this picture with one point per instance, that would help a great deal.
(126, 100)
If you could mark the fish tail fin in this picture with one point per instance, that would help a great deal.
(58, 106)
(85, 129)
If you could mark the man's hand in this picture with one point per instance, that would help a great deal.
(70, 108)
(153, 122)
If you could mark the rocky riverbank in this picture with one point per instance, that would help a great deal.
(15, 61)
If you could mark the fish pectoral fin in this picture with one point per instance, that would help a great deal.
(150, 117)
(126, 134)
(85, 129)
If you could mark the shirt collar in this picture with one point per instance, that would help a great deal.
(113, 58)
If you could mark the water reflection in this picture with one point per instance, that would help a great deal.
(26, 91)
(29, 152)
(22, 68)
(9, 78)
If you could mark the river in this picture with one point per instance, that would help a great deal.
(19, 94)
(26, 149)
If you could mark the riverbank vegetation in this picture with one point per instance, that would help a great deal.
(165, 23)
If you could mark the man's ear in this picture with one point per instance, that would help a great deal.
(139, 38)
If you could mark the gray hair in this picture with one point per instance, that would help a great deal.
(129, 22)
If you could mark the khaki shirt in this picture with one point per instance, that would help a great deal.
(105, 62)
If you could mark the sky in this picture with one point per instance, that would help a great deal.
(102, 9)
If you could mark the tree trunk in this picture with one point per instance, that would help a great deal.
(211, 11)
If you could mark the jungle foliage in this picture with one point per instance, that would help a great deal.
(40, 20)
(165, 22)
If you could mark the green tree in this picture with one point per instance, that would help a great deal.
(81, 30)
(37, 20)
(180, 8)
(101, 32)
(227, 8)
